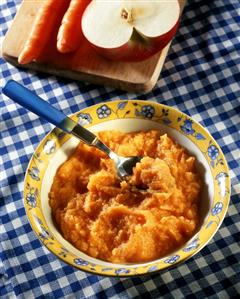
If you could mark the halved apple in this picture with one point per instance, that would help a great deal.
(130, 30)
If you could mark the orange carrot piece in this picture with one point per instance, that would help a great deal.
(70, 32)
(42, 28)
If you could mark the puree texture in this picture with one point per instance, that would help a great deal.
(146, 217)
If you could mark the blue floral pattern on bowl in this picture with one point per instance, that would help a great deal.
(122, 105)
(103, 111)
(31, 196)
(213, 152)
(38, 220)
(221, 177)
(44, 234)
(172, 260)
(80, 262)
(84, 119)
(34, 173)
(221, 180)
(122, 271)
(192, 246)
(187, 128)
(31, 200)
(148, 111)
(217, 209)
(49, 147)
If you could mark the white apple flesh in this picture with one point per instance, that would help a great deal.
(128, 30)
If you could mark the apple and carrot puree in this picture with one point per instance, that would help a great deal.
(138, 220)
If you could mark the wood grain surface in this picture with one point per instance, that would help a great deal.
(84, 64)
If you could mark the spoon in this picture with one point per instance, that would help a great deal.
(32, 102)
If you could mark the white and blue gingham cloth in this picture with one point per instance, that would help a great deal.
(200, 77)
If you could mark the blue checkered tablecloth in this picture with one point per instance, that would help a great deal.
(201, 77)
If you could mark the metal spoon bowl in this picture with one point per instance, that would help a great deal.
(33, 103)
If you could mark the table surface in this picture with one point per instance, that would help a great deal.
(201, 78)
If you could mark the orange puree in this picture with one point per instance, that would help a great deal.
(144, 218)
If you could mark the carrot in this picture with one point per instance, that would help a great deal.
(70, 32)
(42, 28)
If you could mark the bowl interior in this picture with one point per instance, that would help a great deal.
(126, 125)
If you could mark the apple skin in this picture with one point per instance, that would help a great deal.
(135, 51)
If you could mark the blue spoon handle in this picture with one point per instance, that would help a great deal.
(35, 104)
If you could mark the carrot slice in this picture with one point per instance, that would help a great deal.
(70, 32)
(42, 28)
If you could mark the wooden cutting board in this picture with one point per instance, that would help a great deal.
(85, 64)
